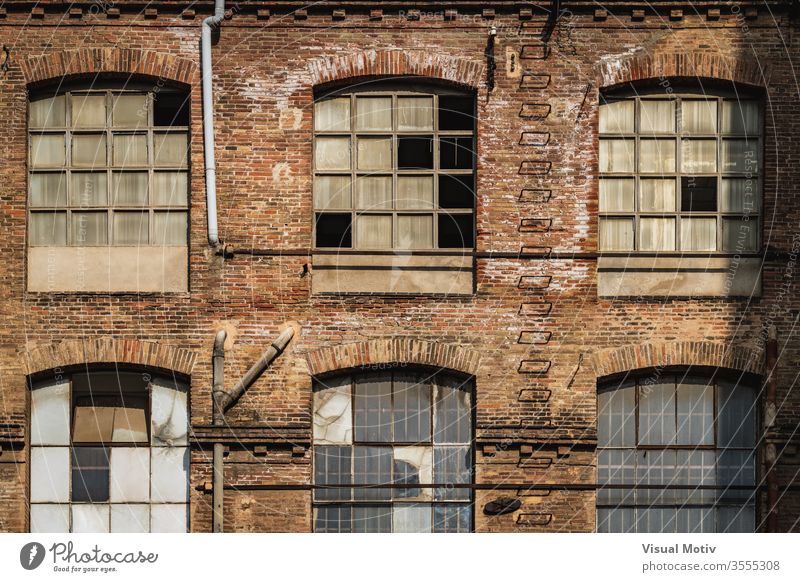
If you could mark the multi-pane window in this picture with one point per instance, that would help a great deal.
(399, 428)
(108, 167)
(676, 454)
(109, 453)
(394, 170)
(679, 174)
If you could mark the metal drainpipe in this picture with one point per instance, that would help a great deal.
(218, 371)
(770, 412)
(208, 118)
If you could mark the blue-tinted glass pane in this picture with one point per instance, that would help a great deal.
(657, 413)
(372, 466)
(332, 519)
(412, 409)
(332, 467)
(737, 419)
(453, 420)
(695, 412)
(616, 417)
(373, 408)
(452, 518)
(372, 518)
(451, 465)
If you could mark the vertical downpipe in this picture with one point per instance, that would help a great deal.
(218, 379)
(770, 412)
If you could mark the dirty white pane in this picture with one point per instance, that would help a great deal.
(657, 234)
(130, 425)
(130, 150)
(414, 192)
(415, 231)
(169, 419)
(50, 412)
(50, 474)
(374, 231)
(90, 518)
(332, 153)
(170, 189)
(739, 195)
(89, 150)
(49, 518)
(616, 467)
(698, 234)
(129, 474)
(89, 110)
(657, 413)
(48, 189)
(617, 195)
(169, 518)
(411, 519)
(695, 412)
(50, 112)
(130, 518)
(331, 192)
(657, 195)
(414, 113)
(170, 474)
(88, 189)
(699, 116)
(89, 228)
(616, 417)
(739, 234)
(374, 113)
(131, 228)
(332, 114)
(617, 155)
(452, 422)
(374, 192)
(169, 228)
(740, 117)
(617, 117)
(699, 155)
(616, 234)
(93, 424)
(657, 155)
(170, 149)
(374, 153)
(413, 466)
(48, 228)
(47, 150)
(130, 188)
(333, 423)
(129, 110)
(657, 116)
(740, 155)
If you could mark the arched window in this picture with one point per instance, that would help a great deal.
(679, 451)
(109, 453)
(403, 428)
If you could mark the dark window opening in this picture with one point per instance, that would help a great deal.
(455, 153)
(90, 474)
(456, 231)
(334, 230)
(171, 109)
(456, 113)
(698, 194)
(414, 152)
(456, 191)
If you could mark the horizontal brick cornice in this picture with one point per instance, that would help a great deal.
(107, 350)
(393, 351)
(687, 353)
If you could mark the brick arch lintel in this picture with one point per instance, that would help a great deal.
(393, 351)
(397, 62)
(90, 61)
(108, 350)
(642, 66)
(678, 353)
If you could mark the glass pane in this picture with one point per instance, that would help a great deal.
(657, 116)
(411, 518)
(736, 406)
(739, 234)
(616, 467)
(451, 466)
(50, 413)
(170, 149)
(89, 150)
(616, 195)
(372, 519)
(412, 409)
(616, 155)
(89, 228)
(93, 423)
(657, 234)
(415, 192)
(616, 417)
(333, 230)
(740, 117)
(170, 189)
(374, 113)
(89, 474)
(48, 228)
(695, 520)
(415, 231)
(332, 115)
(130, 518)
(375, 153)
(169, 517)
(333, 417)
(698, 193)
(130, 188)
(129, 110)
(698, 234)
(657, 413)
(332, 153)
(169, 413)
(656, 520)
(616, 520)
(50, 112)
(332, 192)
(89, 189)
(332, 467)
(740, 155)
(616, 234)
(374, 193)
(617, 117)
(452, 518)
(658, 195)
(374, 231)
(736, 519)
(372, 466)
(48, 190)
(130, 474)
(699, 155)
(49, 479)
(170, 228)
(89, 110)
(373, 408)
(414, 113)
(656, 467)
(47, 150)
(739, 195)
(131, 228)
(695, 412)
(169, 482)
(696, 469)
(657, 155)
(49, 518)
(332, 519)
(413, 466)
(90, 518)
(130, 150)
(736, 472)
(452, 422)
(699, 116)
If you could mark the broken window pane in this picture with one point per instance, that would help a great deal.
(90, 518)
(456, 231)
(453, 420)
(332, 115)
(616, 411)
(171, 109)
(452, 518)
(47, 151)
(698, 194)
(48, 228)
(415, 152)
(130, 474)
(372, 466)
(169, 414)
(332, 518)
(332, 467)
(372, 518)
(456, 113)
(414, 518)
(50, 413)
(130, 518)
(48, 189)
(50, 112)
(333, 230)
(373, 408)
(333, 422)
(456, 191)
(451, 466)
(89, 189)
(169, 481)
(90, 472)
(657, 413)
(455, 153)
(89, 228)
(129, 110)
(50, 474)
(49, 518)
(413, 466)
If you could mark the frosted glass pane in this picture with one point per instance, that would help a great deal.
(49, 112)
(333, 421)
(170, 474)
(130, 188)
(374, 193)
(48, 189)
(89, 189)
(332, 192)
(415, 192)
(129, 110)
(332, 153)
(411, 519)
(739, 234)
(169, 420)
(740, 117)
(616, 520)
(89, 228)
(657, 195)
(170, 189)
(49, 518)
(657, 414)
(130, 150)
(50, 474)
(169, 228)
(616, 195)
(415, 231)
(47, 151)
(695, 520)
(616, 155)
(48, 228)
(374, 231)
(657, 117)
(657, 234)
(616, 417)
(657, 155)
(414, 113)
(699, 116)
(133, 518)
(169, 518)
(373, 113)
(616, 467)
(617, 117)
(129, 474)
(89, 110)
(654, 467)
(616, 234)
(695, 412)
(740, 155)
(131, 228)
(739, 195)
(332, 115)
(699, 155)
(170, 149)
(50, 414)
(89, 150)
(375, 153)
(699, 234)
(90, 518)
